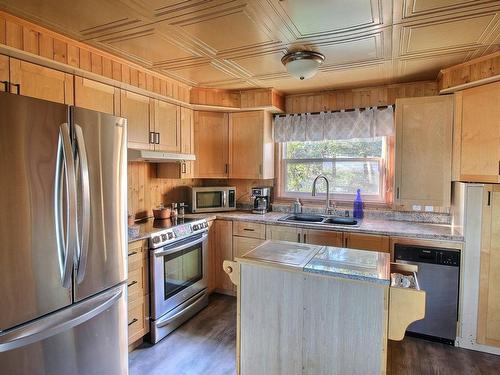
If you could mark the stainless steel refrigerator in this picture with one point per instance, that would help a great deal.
(62, 239)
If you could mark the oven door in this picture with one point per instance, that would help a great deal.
(179, 271)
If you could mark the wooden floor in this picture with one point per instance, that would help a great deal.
(206, 345)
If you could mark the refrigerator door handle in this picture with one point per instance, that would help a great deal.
(84, 230)
(58, 322)
(66, 242)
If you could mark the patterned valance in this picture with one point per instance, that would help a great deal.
(367, 123)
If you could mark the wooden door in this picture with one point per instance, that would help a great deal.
(97, 96)
(187, 140)
(223, 233)
(323, 237)
(488, 326)
(246, 144)
(211, 144)
(40, 82)
(167, 125)
(423, 151)
(283, 233)
(477, 126)
(371, 242)
(242, 245)
(4, 73)
(137, 109)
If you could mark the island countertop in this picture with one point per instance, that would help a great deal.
(369, 266)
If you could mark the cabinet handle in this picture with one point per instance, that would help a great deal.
(6, 83)
(132, 283)
(499, 167)
(132, 253)
(489, 198)
(18, 86)
(345, 241)
(298, 237)
(183, 167)
(397, 193)
(151, 137)
(157, 138)
(226, 169)
(133, 321)
(304, 238)
(249, 229)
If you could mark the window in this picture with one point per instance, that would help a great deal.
(348, 164)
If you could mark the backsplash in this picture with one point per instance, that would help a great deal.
(243, 188)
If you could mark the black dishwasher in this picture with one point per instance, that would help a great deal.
(439, 276)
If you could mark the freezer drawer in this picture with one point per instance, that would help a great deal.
(88, 338)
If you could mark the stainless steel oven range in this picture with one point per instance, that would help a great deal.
(178, 269)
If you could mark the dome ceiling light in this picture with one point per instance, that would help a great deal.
(302, 64)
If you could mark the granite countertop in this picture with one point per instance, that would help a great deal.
(368, 226)
(368, 266)
(351, 264)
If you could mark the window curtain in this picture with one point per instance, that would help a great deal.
(368, 123)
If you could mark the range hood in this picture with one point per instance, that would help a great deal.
(157, 156)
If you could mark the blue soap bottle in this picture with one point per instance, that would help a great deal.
(358, 206)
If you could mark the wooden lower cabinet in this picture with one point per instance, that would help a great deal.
(138, 292)
(488, 325)
(322, 237)
(223, 250)
(283, 233)
(367, 242)
(242, 245)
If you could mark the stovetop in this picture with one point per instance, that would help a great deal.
(162, 232)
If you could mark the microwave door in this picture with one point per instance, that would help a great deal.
(209, 200)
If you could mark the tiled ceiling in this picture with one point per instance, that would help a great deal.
(236, 44)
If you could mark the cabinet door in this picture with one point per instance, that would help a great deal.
(478, 126)
(211, 144)
(223, 230)
(366, 242)
(97, 96)
(4, 73)
(167, 125)
(242, 245)
(423, 151)
(137, 109)
(323, 237)
(251, 149)
(488, 327)
(283, 233)
(40, 82)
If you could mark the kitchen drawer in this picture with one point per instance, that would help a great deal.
(136, 252)
(137, 281)
(138, 319)
(246, 229)
(405, 305)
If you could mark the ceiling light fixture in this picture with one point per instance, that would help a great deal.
(302, 64)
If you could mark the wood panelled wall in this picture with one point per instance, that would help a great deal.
(480, 69)
(28, 37)
(358, 98)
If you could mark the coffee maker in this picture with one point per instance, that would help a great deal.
(261, 200)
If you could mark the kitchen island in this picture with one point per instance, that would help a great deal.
(306, 309)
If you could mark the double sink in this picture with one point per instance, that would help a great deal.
(319, 219)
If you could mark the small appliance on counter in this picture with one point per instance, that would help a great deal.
(212, 199)
(261, 200)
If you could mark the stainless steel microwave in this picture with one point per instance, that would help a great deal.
(212, 199)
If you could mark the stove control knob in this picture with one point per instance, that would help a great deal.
(163, 237)
(205, 225)
(156, 239)
(195, 227)
(170, 235)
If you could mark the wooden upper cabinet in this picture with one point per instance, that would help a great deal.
(251, 146)
(476, 152)
(423, 151)
(371, 242)
(97, 96)
(4, 73)
(488, 325)
(40, 82)
(167, 126)
(211, 144)
(137, 109)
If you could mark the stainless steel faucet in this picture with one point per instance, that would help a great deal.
(328, 208)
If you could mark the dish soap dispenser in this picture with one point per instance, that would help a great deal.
(358, 206)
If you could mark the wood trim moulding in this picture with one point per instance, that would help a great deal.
(20, 35)
(480, 71)
(358, 98)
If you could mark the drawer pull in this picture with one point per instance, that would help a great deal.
(132, 253)
(132, 283)
(249, 229)
(133, 321)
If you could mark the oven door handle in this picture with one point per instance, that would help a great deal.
(167, 320)
(162, 252)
